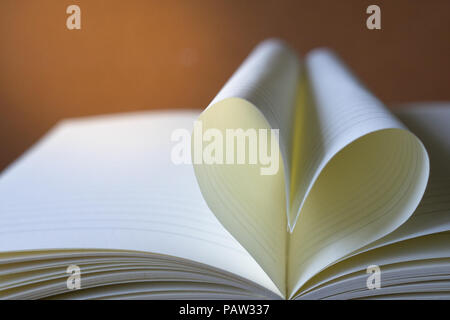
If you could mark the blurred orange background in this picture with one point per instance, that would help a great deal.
(142, 55)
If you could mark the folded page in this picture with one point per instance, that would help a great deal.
(249, 200)
(360, 175)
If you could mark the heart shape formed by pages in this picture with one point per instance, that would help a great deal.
(302, 165)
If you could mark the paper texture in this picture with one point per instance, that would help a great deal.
(109, 183)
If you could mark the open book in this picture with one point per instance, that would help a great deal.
(354, 190)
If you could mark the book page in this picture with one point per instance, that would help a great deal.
(360, 175)
(429, 121)
(251, 205)
(109, 183)
(427, 263)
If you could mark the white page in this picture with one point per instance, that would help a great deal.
(253, 207)
(109, 183)
(431, 250)
(414, 277)
(361, 173)
(429, 121)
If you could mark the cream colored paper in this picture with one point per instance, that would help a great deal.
(352, 172)
(109, 183)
